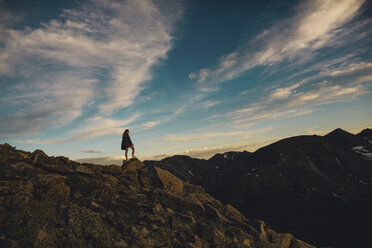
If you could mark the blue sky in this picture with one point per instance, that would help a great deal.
(186, 77)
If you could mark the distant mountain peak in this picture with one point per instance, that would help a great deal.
(339, 131)
(366, 132)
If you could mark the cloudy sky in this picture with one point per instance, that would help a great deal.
(186, 77)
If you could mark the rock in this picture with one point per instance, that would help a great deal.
(213, 212)
(169, 181)
(247, 243)
(300, 244)
(44, 240)
(77, 195)
(65, 160)
(112, 170)
(284, 239)
(233, 213)
(97, 207)
(61, 203)
(39, 153)
(131, 166)
(158, 209)
(6, 147)
(85, 170)
(153, 218)
(54, 167)
(170, 211)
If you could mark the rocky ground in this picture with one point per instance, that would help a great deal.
(54, 202)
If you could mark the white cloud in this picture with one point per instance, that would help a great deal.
(150, 124)
(353, 73)
(282, 93)
(90, 151)
(92, 128)
(351, 69)
(268, 114)
(314, 26)
(189, 103)
(193, 137)
(343, 84)
(248, 110)
(331, 84)
(300, 103)
(326, 94)
(178, 138)
(209, 104)
(166, 118)
(208, 152)
(57, 65)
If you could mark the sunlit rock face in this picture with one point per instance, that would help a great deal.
(316, 187)
(55, 202)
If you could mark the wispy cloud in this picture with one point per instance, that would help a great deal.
(101, 53)
(90, 151)
(315, 25)
(92, 128)
(333, 84)
(188, 104)
(193, 137)
(352, 73)
(269, 114)
(296, 104)
(282, 93)
(209, 104)
(179, 138)
(160, 120)
(338, 84)
(208, 152)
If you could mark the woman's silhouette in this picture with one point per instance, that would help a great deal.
(126, 142)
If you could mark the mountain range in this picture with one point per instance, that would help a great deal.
(316, 187)
(298, 191)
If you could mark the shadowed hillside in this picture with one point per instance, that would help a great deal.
(54, 202)
(317, 187)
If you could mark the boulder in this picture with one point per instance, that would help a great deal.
(131, 166)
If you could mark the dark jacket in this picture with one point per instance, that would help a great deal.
(125, 141)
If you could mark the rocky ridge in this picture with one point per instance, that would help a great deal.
(55, 202)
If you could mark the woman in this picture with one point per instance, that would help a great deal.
(126, 142)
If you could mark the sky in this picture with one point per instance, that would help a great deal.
(186, 77)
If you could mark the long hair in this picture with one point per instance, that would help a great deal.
(126, 131)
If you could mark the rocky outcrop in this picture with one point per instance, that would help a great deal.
(54, 202)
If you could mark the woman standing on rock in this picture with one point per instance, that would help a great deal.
(126, 142)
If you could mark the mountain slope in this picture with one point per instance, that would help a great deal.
(54, 202)
(316, 187)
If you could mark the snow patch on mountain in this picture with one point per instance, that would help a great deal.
(369, 141)
(362, 182)
(363, 151)
(339, 197)
(338, 161)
